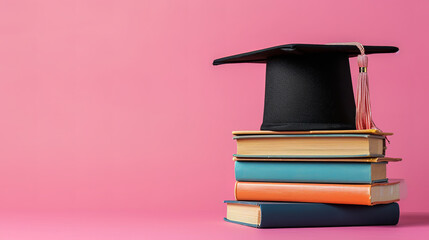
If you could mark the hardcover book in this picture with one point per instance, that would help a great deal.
(310, 172)
(278, 215)
(310, 146)
(359, 194)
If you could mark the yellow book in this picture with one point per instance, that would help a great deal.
(310, 144)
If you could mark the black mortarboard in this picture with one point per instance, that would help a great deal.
(308, 86)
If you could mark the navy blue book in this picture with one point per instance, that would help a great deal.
(288, 214)
(310, 172)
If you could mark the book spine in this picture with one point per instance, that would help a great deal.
(309, 146)
(303, 192)
(327, 215)
(305, 172)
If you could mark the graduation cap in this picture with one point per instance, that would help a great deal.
(309, 87)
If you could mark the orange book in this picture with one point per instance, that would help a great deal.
(359, 194)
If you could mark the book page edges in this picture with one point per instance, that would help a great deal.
(385, 193)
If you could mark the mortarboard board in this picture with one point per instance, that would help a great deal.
(308, 86)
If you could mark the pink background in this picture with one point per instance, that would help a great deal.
(114, 106)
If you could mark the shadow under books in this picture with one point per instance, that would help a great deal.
(413, 220)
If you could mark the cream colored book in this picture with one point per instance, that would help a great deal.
(313, 145)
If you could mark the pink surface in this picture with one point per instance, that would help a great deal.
(91, 226)
(115, 106)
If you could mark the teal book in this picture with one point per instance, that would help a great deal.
(310, 172)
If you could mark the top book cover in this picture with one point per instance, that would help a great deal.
(363, 131)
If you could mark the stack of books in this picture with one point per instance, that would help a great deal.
(312, 178)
